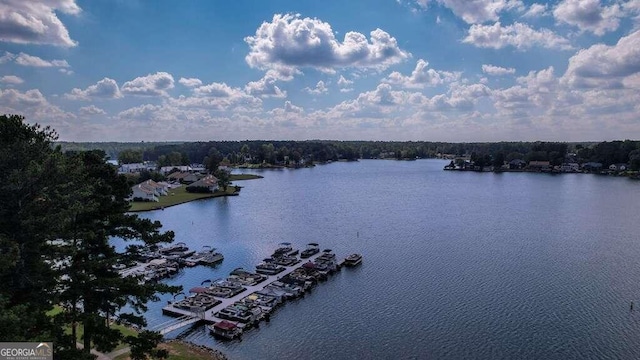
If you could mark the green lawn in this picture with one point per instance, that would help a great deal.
(235, 177)
(126, 331)
(177, 196)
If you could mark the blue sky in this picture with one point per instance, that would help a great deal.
(433, 70)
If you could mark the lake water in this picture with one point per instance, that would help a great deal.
(457, 265)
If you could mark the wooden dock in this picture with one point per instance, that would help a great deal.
(188, 317)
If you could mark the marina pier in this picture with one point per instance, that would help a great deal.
(186, 317)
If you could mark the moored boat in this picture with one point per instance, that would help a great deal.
(285, 249)
(312, 249)
(207, 256)
(269, 268)
(225, 329)
(353, 260)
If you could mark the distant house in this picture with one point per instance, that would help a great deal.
(177, 176)
(160, 189)
(143, 193)
(149, 190)
(517, 164)
(191, 178)
(539, 165)
(136, 167)
(198, 168)
(592, 166)
(618, 167)
(570, 167)
(168, 169)
(226, 165)
(209, 182)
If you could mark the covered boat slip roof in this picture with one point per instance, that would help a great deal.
(225, 325)
(249, 289)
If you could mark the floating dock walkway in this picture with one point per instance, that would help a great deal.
(186, 317)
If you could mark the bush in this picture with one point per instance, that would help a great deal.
(198, 189)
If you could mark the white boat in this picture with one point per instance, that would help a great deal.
(353, 260)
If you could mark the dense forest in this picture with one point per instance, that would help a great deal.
(295, 153)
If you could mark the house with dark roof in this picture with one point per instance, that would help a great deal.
(208, 183)
(517, 164)
(539, 165)
(592, 166)
(177, 176)
(160, 189)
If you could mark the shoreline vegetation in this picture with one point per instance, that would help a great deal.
(180, 195)
(267, 154)
(184, 350)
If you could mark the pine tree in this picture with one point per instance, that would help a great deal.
(92, 291)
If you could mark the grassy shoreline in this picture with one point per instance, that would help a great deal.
(184, 350)
(180, 195)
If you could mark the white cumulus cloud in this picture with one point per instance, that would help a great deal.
(91, 110)
(36, 21)
(218, 97)
(422, 76)
(536, 10)
(290, 42)
(518, 35)
(30, 60)
(588, 15)
(476, 11)
(266, 87)
(7, 57)
(497, 70)
(105, 88)
(150, 85)
(288, 110)
(11, 80)
(190, 82)
(605, 66)
(32, 104)
(320, 88)
(33, 61)
(343, 82)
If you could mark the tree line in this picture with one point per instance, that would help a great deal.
(212, 153)
(58, 212)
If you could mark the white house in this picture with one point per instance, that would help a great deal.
(131, 168)
(618, 167)
(168, 169)
(144, 193)
(149, 190)
(570, 167)
(159, 189)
